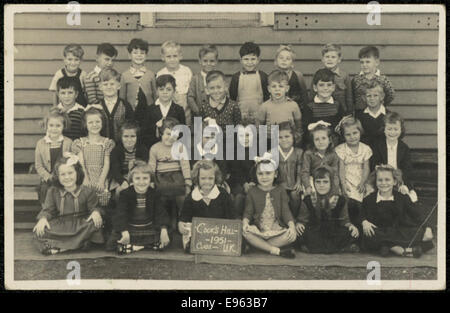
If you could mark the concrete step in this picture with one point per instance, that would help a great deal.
(25, 193)
(24, 226)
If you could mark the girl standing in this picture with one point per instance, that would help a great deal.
(70, 217)
(268, 223)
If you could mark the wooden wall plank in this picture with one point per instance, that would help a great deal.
(38, 51)
(228, 35)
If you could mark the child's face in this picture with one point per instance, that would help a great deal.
(265, 174)
(369, 65)
(393, 130)
(321, 140)
(67, 96)
(249, 62)
(167, 138)
(278, 90)
(286, 139)
(55, 127)
(284, 60)
(137, 56)
(217, 89)
(385, 181)
(71, 62)
(67, 176)
(324, 89)
(172, 57)
(141, 181)
(208, 62)
(110, 88)
(331, 60)
(93, 123)
(129, 138)
(104, 61)
(208, 138)
(206, 179)
(373, 98)
(322, 185)
(352, 135)
(165, 93)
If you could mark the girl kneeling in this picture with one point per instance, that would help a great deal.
(323, 223)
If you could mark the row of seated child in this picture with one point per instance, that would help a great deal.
(158, 105)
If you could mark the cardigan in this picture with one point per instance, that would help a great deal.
(311, 214)
(129, 87)
(373, 127)
(297, 89)
(256, 201)
(117, 159)
(290, 169)
(403, 158)
(121, 112)
(197, 96)
(234, 86)
(42, 160)
(312, 160)
(220, 207)
(127, 205)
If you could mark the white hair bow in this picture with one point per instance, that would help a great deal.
(95, 106)
(314, 125)
(211, 122)
(72, 159)
(339, 125)
(265, 158)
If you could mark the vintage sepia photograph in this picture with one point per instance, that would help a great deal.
(231, 147)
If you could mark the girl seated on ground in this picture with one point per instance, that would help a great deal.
(140, 221)
(207, 199)
(323, 224)
(390, 221)
(70, 218)
(268, 223)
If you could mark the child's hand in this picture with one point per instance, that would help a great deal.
(354, 231)
(40, 227)
(183, 228)
(177, 98)
(245, 226)
(125, 240)
(159, 123)
(368, 228)
(428, 235)
(403, 189)
(308, 191)
(187, 190)
(164, 238)
(361, 188)
(300, 228)
(292, 233)
(246, 187)
(333, 201)
(96, 218)
(124, 185)
(298, 187)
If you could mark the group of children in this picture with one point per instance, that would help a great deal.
(114, 171)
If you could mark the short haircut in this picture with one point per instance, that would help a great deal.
(351, 121)
(254, 178)
(107, 49)
(324, 75)
(396, 174)
(374, 85)
(137, 43)
(163, 80)
(213, 75)
(369, 51)
(332, 47)
(170, 44)
(77, 166)
(67, 82)
(206, 165)
(55, 112)
(322, 172)
(278, 77)
(107, 74)
(130, 124)
(249, 48)
(94, 111)
(75, 50)
(140, 167)
(286, 126)
(169, 123)
(394, 117)
(208, 49)
(287, 48)
(311, 145)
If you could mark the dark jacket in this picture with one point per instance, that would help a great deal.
(234, 86)
(127, 204)
(117, 158)
(113, 122)
(313, 215)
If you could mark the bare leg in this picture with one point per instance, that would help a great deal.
(280, 241)
(261, 243)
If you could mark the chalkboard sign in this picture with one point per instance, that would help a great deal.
(216, 236)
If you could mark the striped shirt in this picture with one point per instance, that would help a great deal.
(140, 215)
(92, 86)
(129, 156)
(75, 114)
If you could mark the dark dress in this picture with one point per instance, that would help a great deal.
(398, 222)
(325, 230)
(373, 127)
(117, 159)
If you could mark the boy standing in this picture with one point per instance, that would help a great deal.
(248, 87)
(106, 54)
(171, 55)
(369, 58)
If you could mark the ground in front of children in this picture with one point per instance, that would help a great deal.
(142, 269)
